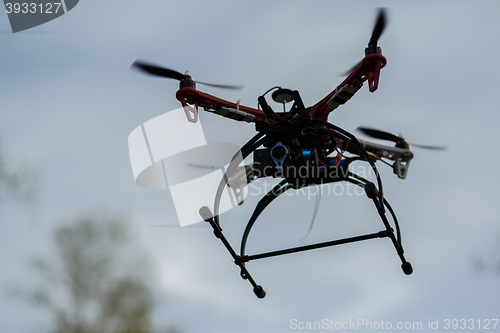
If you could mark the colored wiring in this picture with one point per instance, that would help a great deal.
(346, 146)
(385, 162)
(267, 92)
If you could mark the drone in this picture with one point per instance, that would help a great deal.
(302, 148)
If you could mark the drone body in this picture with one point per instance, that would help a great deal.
(297, 147)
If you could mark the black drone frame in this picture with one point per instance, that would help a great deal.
(298, 123)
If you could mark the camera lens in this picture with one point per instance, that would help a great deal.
(278, 152)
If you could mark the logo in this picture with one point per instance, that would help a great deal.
(169, 152)
(27, 14)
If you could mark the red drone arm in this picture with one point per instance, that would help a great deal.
(189, 96)
(368, 69)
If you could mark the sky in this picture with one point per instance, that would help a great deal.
(68, 102)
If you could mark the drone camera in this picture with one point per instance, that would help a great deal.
(280, 161)
(270, 162)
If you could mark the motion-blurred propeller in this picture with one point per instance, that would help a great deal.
(378, 29)
(378, 134)
(172, 74)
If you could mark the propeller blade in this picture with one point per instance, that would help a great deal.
(377, 32)
(172, 74)
(379, 28)
(222, 86)
(377, 134)
(429, 147)
(158, 71)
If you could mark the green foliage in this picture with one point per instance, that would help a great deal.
(99, 284)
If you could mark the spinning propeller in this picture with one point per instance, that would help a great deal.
(399, 140)
(172, 74)
(378, 29)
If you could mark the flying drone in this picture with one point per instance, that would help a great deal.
(300, 147)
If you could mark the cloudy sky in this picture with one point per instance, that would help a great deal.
(69, 101)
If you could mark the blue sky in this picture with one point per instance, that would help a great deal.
(69, 101)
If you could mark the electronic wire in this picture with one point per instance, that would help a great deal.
(316, 207)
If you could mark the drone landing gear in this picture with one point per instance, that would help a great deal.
(240, 260)
(207, 215)
(298, 123)
(372, 193)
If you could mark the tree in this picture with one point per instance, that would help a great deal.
(99, 284)
(14, 182)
